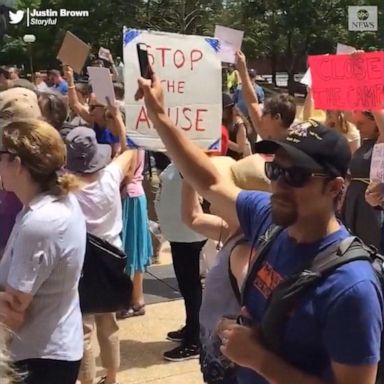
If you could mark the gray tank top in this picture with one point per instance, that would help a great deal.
(218, 300)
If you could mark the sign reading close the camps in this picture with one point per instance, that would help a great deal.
(190, 73)
(348, 82)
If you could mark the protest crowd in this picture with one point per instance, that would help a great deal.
(292, 201)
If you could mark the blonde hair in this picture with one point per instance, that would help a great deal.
(7, 373)
(42, 151)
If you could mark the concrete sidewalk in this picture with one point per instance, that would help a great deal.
(142, 339)
(143, 343)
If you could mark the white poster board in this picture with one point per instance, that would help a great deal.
(190, 72)
(307, 78)
(102, 86)
(230, 42)
(377, 163)
(344, 49)
(104, 54)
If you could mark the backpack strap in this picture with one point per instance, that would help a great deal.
(263, 243)
(349, 249)
(286, 296)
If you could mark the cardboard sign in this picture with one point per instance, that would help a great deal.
(307, 78)
(377, 163)
(102, 86)
(190, 71)
(104, 54)
(348, 82)
(230, 42)
(73, 52)
(344, 49)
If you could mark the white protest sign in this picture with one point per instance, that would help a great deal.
(377, 163)
(344, 49)
(102, 86)
(104, 53)
(230, 42)
(190, 71)
(307, 78)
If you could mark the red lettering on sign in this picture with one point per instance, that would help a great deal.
(163, 50)
(180, 61)
(180, 88)
(143, 118)
(199, 119)
(196, 56)
(185, 111)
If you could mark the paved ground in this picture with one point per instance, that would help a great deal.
(143, 338)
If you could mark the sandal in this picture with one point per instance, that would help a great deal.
(133, 311)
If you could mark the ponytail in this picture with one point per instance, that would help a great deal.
(61, 185)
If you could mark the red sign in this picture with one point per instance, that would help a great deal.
(348, 82)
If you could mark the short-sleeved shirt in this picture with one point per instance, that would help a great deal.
(62, 87)
(239, 100)
(101, 205)
(105, 136)
(339, 320)
(44, 257)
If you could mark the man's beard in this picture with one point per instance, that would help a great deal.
(283, 210)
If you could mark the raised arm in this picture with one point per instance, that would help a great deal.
(308, 105)
(189, 159)
(211, 226)
(249, 93)
(118, 127)
(74, 102)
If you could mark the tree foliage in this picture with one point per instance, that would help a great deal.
(289, 29)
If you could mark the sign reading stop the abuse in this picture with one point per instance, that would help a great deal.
(190, 73)
(348, 82)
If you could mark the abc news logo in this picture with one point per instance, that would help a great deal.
(361, 18)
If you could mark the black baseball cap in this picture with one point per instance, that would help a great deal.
(312, 146)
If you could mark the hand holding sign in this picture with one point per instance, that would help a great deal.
(73, 52)
(153, 94)
(183, 64)
(241, 62)
(105, 54)
(230, 42)
(101, 81)
(68, 72)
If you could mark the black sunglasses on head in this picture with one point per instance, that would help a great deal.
(295, 177)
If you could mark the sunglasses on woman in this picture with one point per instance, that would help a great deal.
(295, 177)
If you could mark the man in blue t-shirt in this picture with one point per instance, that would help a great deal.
(58, 83)
(334, 334)
(238, 96)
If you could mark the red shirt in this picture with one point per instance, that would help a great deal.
(224, 140)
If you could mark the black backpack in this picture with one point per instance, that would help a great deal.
(288, 293)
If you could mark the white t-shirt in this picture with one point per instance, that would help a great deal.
(168, 208)
(44, 257)
(101, 205)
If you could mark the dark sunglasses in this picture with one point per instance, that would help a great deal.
(295, 177)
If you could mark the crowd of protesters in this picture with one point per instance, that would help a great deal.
(66, 171)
